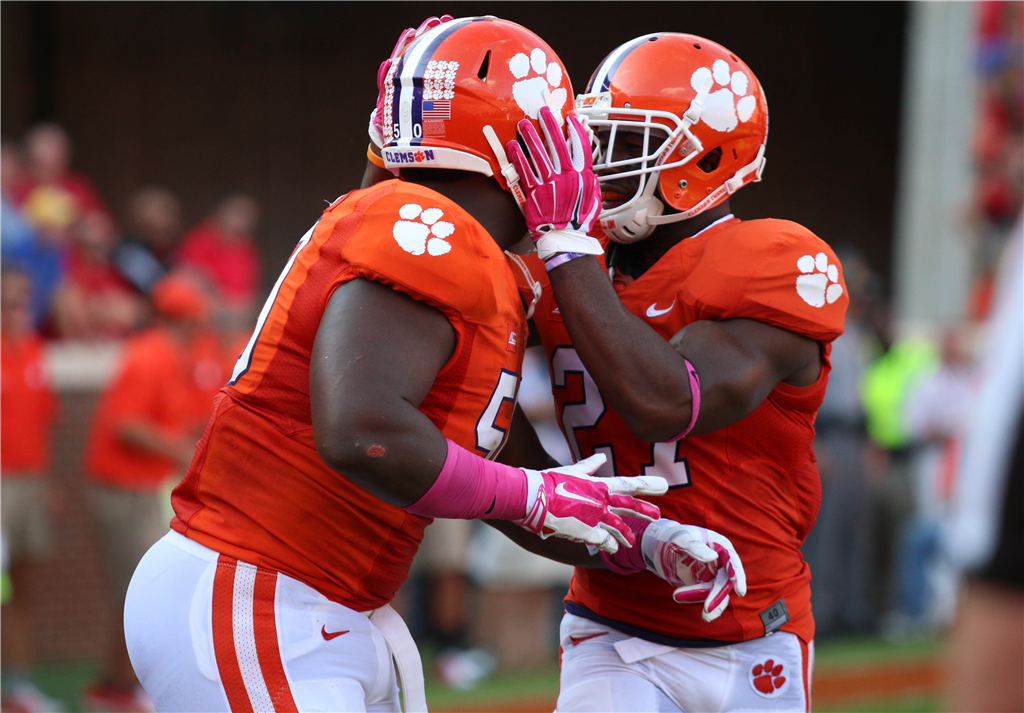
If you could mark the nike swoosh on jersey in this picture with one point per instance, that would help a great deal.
(653, 310)
(560, 489)
(335, 635)
(580, 639)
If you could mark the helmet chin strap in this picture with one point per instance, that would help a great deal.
(633, 224)
(640, 219)
(738, 180)
(508, 171)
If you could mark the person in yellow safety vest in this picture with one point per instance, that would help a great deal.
(887, 384)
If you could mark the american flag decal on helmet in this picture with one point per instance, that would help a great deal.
(437, 110)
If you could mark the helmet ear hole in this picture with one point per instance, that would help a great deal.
(484, 66)
(709, 161)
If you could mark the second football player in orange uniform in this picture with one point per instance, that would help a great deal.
(703, 360)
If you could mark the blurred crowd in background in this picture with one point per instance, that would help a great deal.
(93, 272)
(182, 300)
(888, 434)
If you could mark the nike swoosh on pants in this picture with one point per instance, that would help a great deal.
(334, 635)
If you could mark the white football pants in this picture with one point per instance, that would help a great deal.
(207, 632)
(606, 671)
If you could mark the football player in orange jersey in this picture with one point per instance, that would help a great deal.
(702, 359)
(373, 395)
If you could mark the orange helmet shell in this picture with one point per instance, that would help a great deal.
(459, 78)
(654, 81)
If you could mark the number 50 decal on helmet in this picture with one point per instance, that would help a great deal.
(454, 97)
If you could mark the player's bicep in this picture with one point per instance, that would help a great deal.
(739, 362)
(376, 350)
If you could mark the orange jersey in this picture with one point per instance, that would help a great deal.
(257, 490)
(755, 481)
(163, 384)
(27, 408)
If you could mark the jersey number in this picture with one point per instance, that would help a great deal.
(490, 437)
(587, 413)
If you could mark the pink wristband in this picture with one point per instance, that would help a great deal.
(469, 487)
(629, 560)
(694, 400)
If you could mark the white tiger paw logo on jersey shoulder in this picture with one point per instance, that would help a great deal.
(422, 230)
(725, 109)
(529, 91)
(819, 281)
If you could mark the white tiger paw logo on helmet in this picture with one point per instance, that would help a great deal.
(424, 235)
(819, 282)
(722, 111)
(529, 92)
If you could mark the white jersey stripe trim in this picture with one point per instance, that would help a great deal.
(245, 638)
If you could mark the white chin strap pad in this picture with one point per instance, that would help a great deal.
(633, 224)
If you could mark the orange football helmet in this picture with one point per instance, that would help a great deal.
(454, 97)
(703, 119)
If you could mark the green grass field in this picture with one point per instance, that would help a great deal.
(537, 690)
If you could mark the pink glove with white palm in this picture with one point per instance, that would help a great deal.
(702, 564)
(376, 128)
(571, 504)
(563, 198)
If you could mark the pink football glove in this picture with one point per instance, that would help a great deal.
(569, 503)
(376, 128)
(563, 198)
(702, 564)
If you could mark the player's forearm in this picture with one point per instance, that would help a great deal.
(740, 361)
(394, 453)
(638, 373)
(575, 554)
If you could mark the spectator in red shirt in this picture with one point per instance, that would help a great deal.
(52, 196)
(27, 410)
(143, 436)
(95, 301)
(221, 249)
